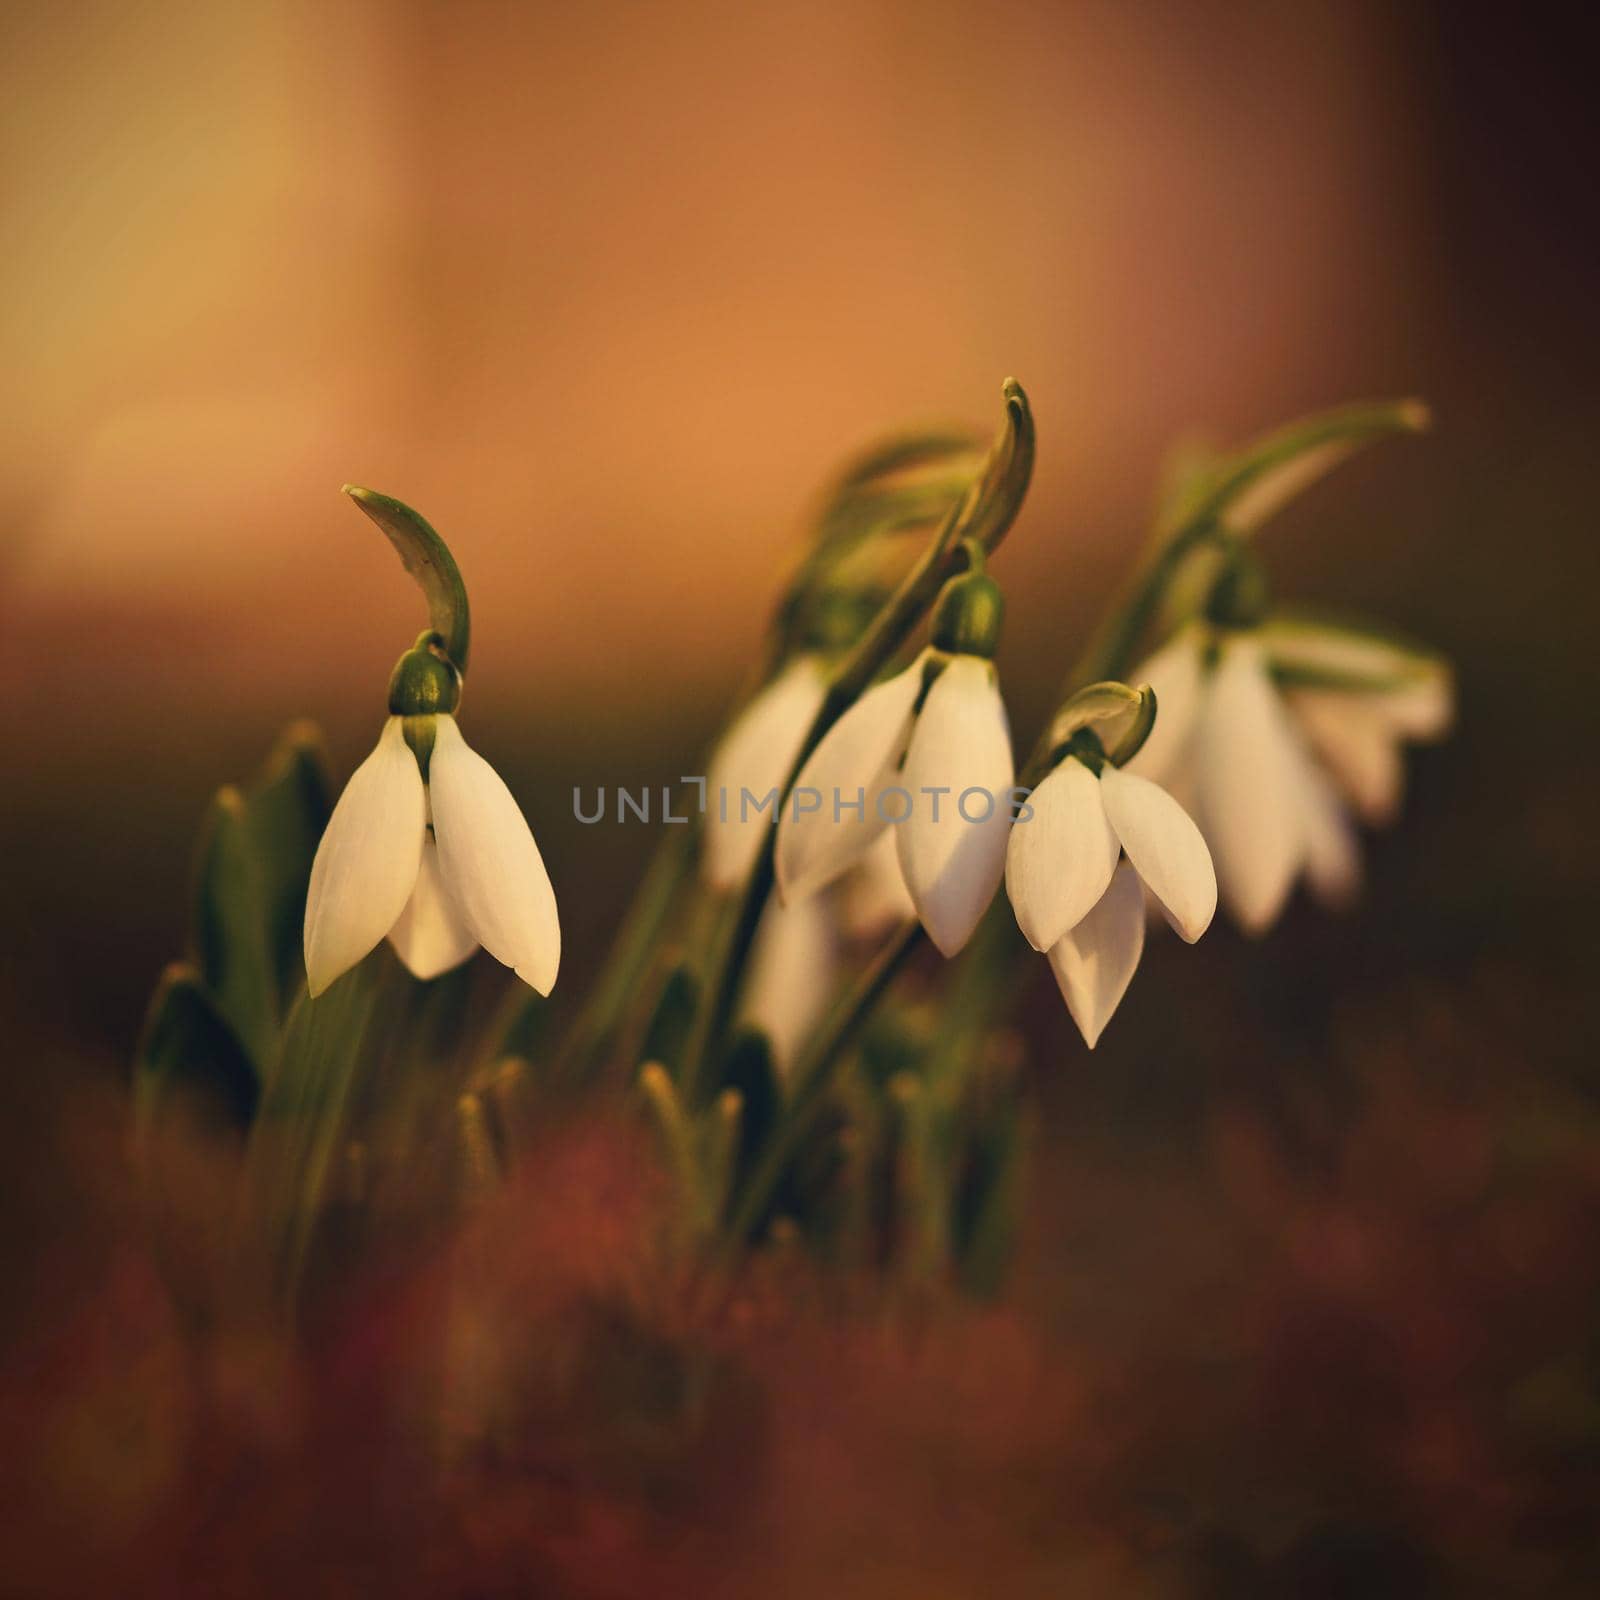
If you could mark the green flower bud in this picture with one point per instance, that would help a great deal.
(967, 618)
(423, 682)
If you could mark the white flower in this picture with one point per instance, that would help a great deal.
(1274, 731)
(439, 867)
(1071, 898)
(756, 755)
(942, 773)
(873, 897)
(794, 969)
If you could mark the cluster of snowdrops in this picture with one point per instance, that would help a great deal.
(1210, 741)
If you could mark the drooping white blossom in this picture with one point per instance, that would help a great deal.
(752, 760)
(1276, 734)
(1074, 901)
(794, 970)
(438, 867)
(935, 765)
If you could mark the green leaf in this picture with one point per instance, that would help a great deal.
(679, 1142)
(924, 1175)
(305, 1120)
(414, 1071)
(901, 452)
(523, 1035)
(232, 949)
(287, 812)
(990, 1196)
(1318, 652)
(194, 1095)
(1254, 484)
(252, 869)
(750, 1071)
(895, 509)
(666, 1036)
(427, 558)
(190, 1062)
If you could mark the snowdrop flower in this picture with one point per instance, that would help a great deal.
(1279, 731)
(929, 752)
(428, 848)
(1071, 897)
(873, 897)
(755, 757)
(794, 970)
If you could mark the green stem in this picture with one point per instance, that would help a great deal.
(1110, 653)
(1342, 430)
(985, 515)
(594, 1030)
(813, 1075)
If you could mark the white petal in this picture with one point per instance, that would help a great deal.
(1246, 789)
(859, 752)
(794, 968)
(431, 936)
(874, 897)
(961, 741)
(1059, 861)
(756, 753)
(366, 865)
(1333, 853)
(489, 861)
(1422, 709)
(1360, 748)
(1165, 847)
(1095, 963)
(1176, 674)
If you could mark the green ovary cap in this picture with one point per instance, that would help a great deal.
(966, 621)
(423, 683)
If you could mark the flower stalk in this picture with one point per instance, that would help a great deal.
(984, 516)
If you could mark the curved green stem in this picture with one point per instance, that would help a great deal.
(595, 1029)
(1111, 649)
(984, 515)
(427, 558)
(1271, 470)
(812, 1076)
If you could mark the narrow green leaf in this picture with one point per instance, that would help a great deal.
(190, 1062)
(286, 813)
(414, 1071)
(1318, 652)
(990, 1202)
(667, 1034)
(529, 1016)
(989, 1196)
(1254, 484)
(915, 448)
(305, 1119)
(230, 926)
(194, 1093)
(678, 1140)
(482, 1170)
(719, 1138)
(750, 1072)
